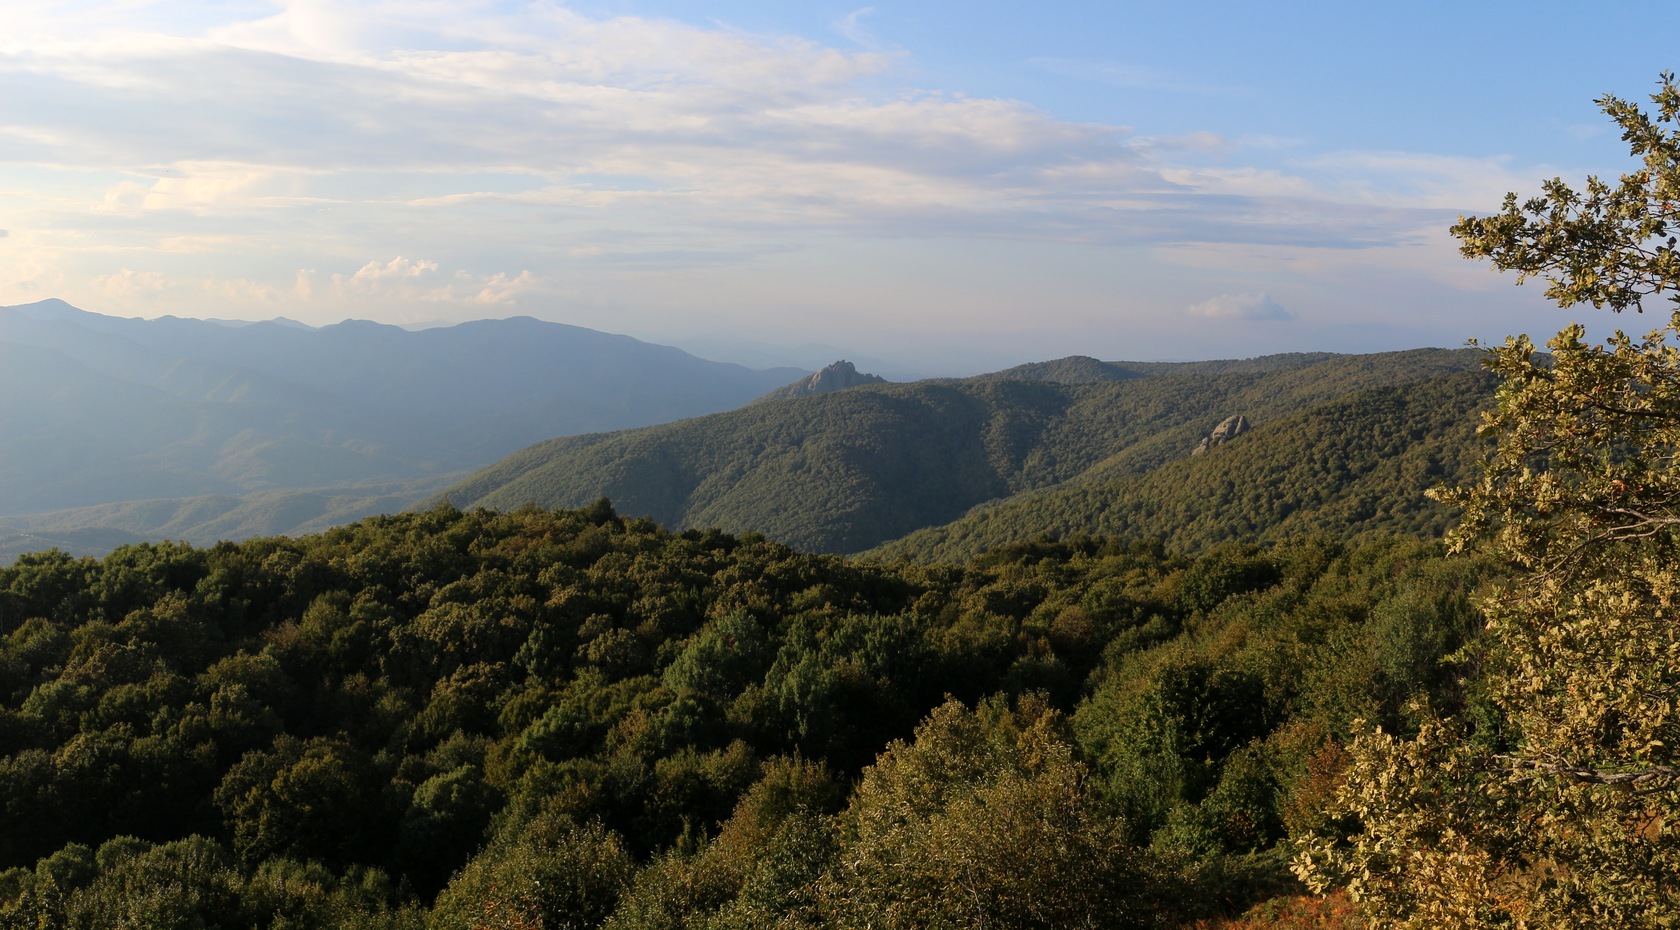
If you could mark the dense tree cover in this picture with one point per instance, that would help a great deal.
(1555, 806)
(570, 719)
(847, 471)
(1362, 464)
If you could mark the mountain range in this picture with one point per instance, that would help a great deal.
(1075, 445)
(118, 430)
(194, 417)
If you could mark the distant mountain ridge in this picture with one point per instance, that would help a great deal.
(854, 469)
(97, 409)
(1074, 369)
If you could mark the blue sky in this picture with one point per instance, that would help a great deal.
(936, 187)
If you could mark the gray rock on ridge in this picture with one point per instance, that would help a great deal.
(836, 377)
(1228, 429)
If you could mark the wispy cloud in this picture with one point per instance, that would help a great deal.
(614, 115)
(851, 26)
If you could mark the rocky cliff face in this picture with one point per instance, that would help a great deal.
(1227, 430)
(836, 377)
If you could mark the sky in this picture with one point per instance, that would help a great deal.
(931, 187)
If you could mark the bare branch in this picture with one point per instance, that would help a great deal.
(1652, 780)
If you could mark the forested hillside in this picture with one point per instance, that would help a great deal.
(846, 471)
(556, 719)
(1354, 466)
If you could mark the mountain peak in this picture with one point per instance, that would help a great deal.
(1075, 369)
(835, 377)
(51, 308)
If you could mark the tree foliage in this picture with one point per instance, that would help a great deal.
(569, 718)
(1556, 807)
(1358, 465)
(1608, 245)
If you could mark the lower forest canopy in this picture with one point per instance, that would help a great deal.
(569, 719)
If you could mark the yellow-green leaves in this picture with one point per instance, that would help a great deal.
(1558, 809)
(1609, 245)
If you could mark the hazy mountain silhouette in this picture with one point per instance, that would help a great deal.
(97, 409)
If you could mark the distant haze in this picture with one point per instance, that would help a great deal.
(99, 410)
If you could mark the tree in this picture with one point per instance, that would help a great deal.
(1557, 806)
(985, 820)
(314, 799)
(545, 872)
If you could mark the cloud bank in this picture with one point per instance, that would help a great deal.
(1240, 307)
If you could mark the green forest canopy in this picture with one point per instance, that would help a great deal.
(847, 471)
(567, 718)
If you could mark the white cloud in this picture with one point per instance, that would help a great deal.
(1240, 307)
(124, 197)
(127, 284)
(402, 280)
(192, 186)
(29, 278)
(398, 278)
(641, 120)
(370, 274)
(499, 288)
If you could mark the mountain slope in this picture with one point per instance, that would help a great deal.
(850, 470)
(1355, 466)
(209, 518)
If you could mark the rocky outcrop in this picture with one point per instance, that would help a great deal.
(836, 377)
(1227, 430)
